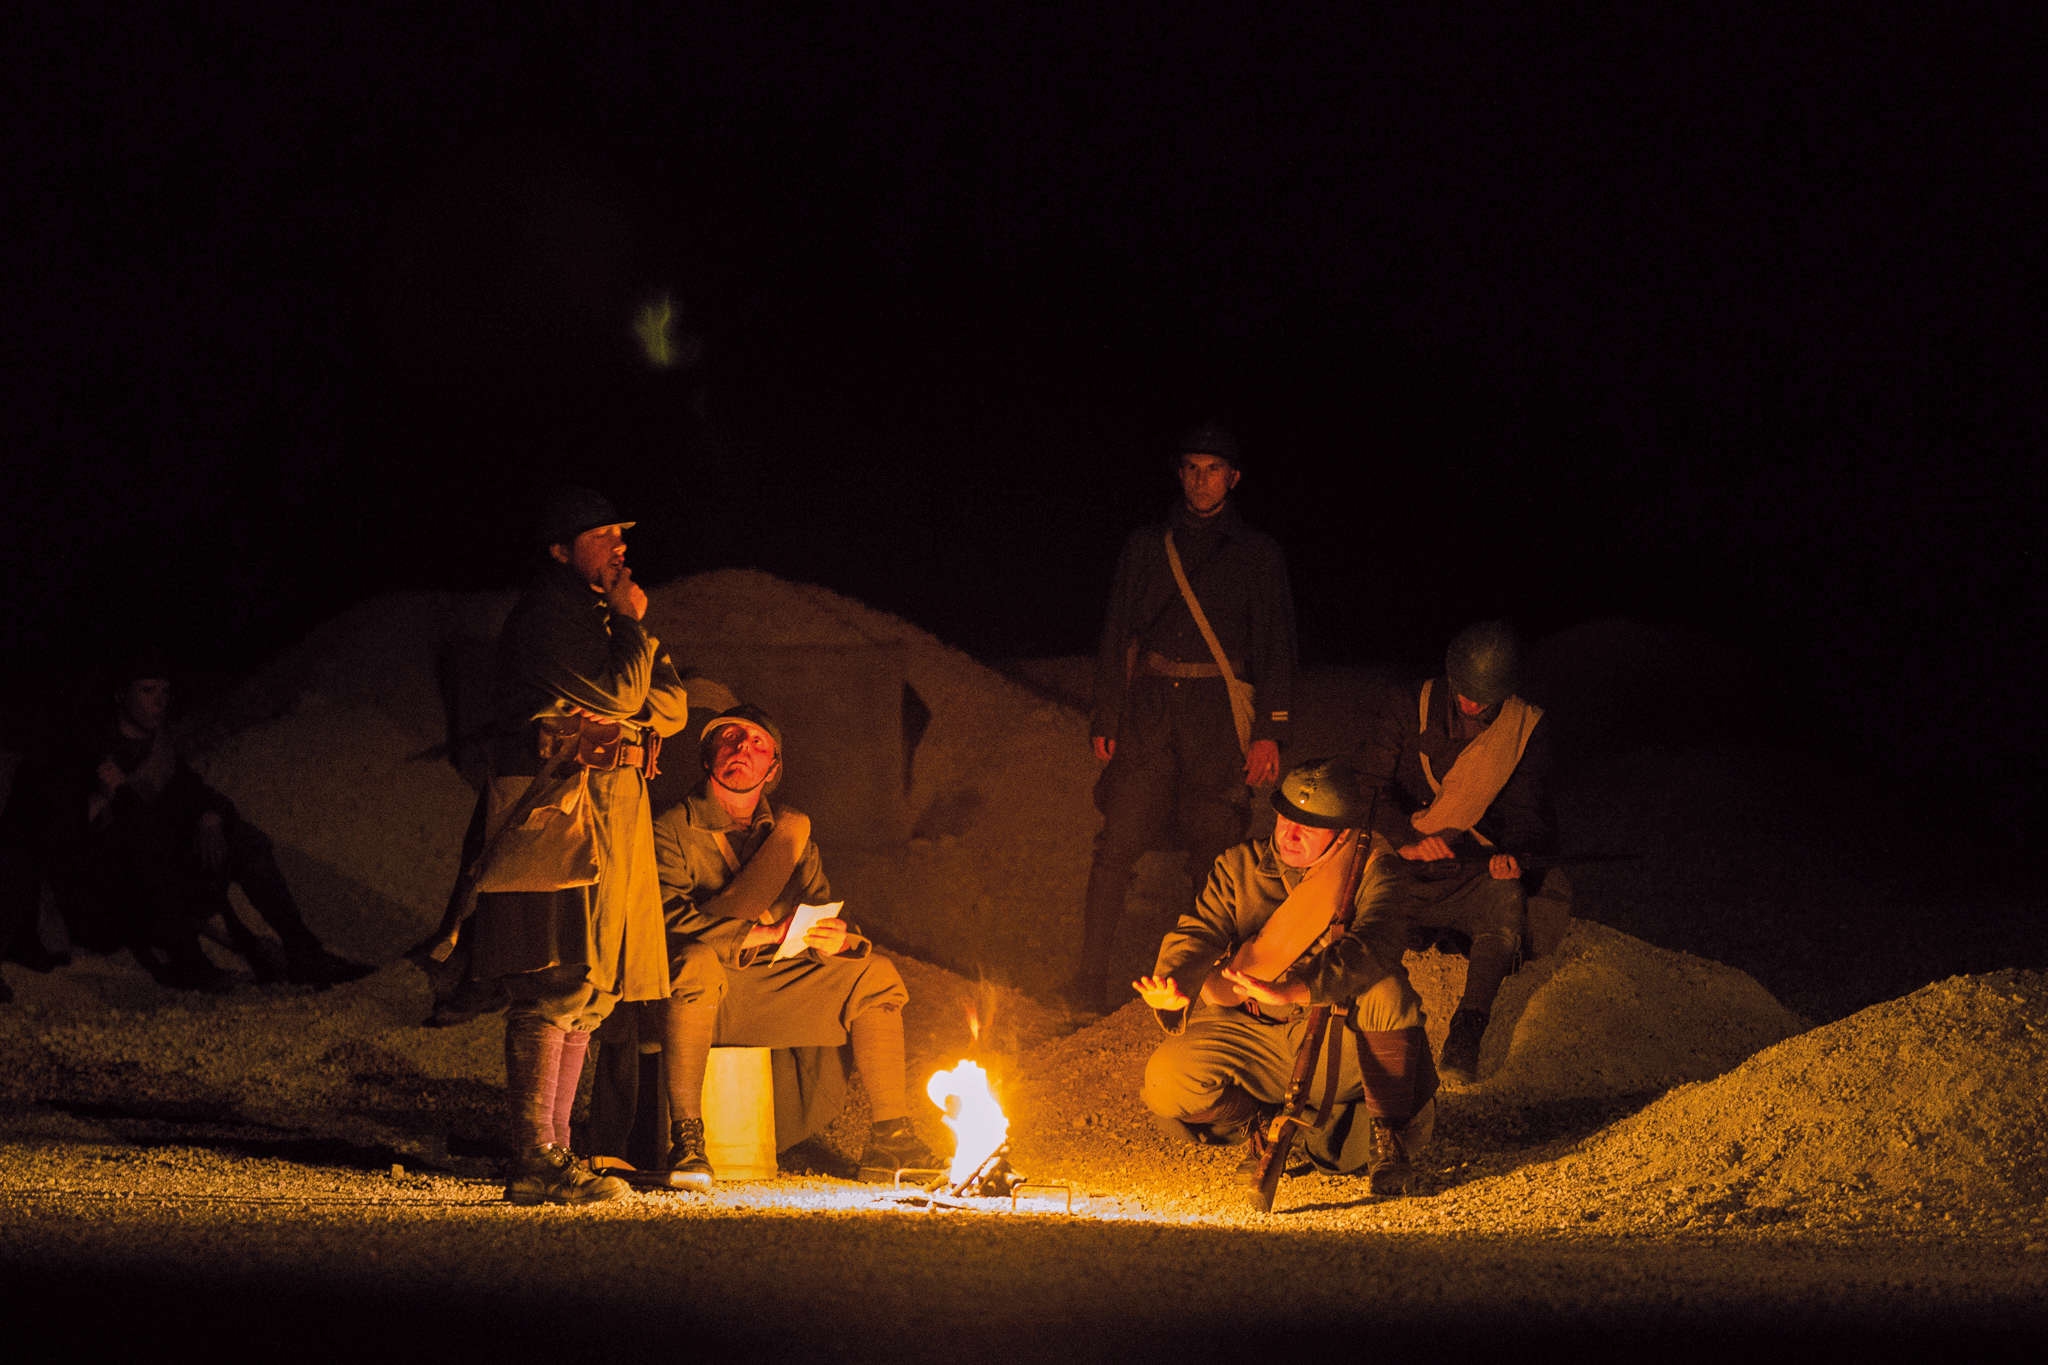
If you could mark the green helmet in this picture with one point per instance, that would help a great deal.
(1323, 792)
(1484, 663)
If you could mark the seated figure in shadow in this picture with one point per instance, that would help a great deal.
(141, 852)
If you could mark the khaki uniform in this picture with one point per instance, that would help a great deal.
(1379, 1037)
(802, 1006)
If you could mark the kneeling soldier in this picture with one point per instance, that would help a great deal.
(1266, 939)
(732, 871)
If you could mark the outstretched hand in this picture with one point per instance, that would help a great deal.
(1160, 993)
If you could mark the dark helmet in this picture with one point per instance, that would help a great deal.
(1208, 439)
(1484, 663)
(747, 714)
(1323, 792)
(566, 513)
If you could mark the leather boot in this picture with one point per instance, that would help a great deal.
(1391, 1172)
(551, 1175)
(1459, 1062)
(688, 1167)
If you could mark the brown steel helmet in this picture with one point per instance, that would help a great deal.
(1484, 662)
(1323, 792)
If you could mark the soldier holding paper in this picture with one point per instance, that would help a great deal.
(734, 872)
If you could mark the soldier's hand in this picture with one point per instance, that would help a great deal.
(624, 596)
(1262, 764)
(1105, 749)
(110, 775)
(1267, 992)
(1504, 867)
(1430, 850)
(1159, 992)
(211, 842)
(767, 931)
(827, 936)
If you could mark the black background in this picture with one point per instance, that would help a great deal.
(1723, 317)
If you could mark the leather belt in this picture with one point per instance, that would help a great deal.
(1160, 666)
(600, 745)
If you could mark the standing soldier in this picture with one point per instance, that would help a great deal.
(1192, 690)
(584, 697)
(1463, 767)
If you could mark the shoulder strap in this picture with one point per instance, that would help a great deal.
(1187, 593)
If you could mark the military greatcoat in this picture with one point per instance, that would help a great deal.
(563, 649)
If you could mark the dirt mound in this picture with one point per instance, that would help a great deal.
(340, 751)
(990, 879)
(1606, 1016)
(1935, 1097)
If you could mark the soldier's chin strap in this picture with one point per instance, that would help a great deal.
(773, 768)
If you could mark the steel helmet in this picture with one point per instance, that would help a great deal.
(1323, 792)
(1484, 663)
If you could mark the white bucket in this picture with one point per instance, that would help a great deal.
(739, 1113)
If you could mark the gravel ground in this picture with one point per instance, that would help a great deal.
(349, 1189)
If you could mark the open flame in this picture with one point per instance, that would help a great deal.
(977, 1121)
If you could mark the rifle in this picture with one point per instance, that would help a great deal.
(1280, 1136)
(1436, 869)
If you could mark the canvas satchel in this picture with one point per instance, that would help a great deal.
(547, 840)
(1241, 704)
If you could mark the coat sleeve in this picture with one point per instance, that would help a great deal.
(1274, 650)
(1119, 624)
(1356, 962)
(588, 658)
(668, 702)
(685, 881)
(1388, 738)
(1523, 817)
